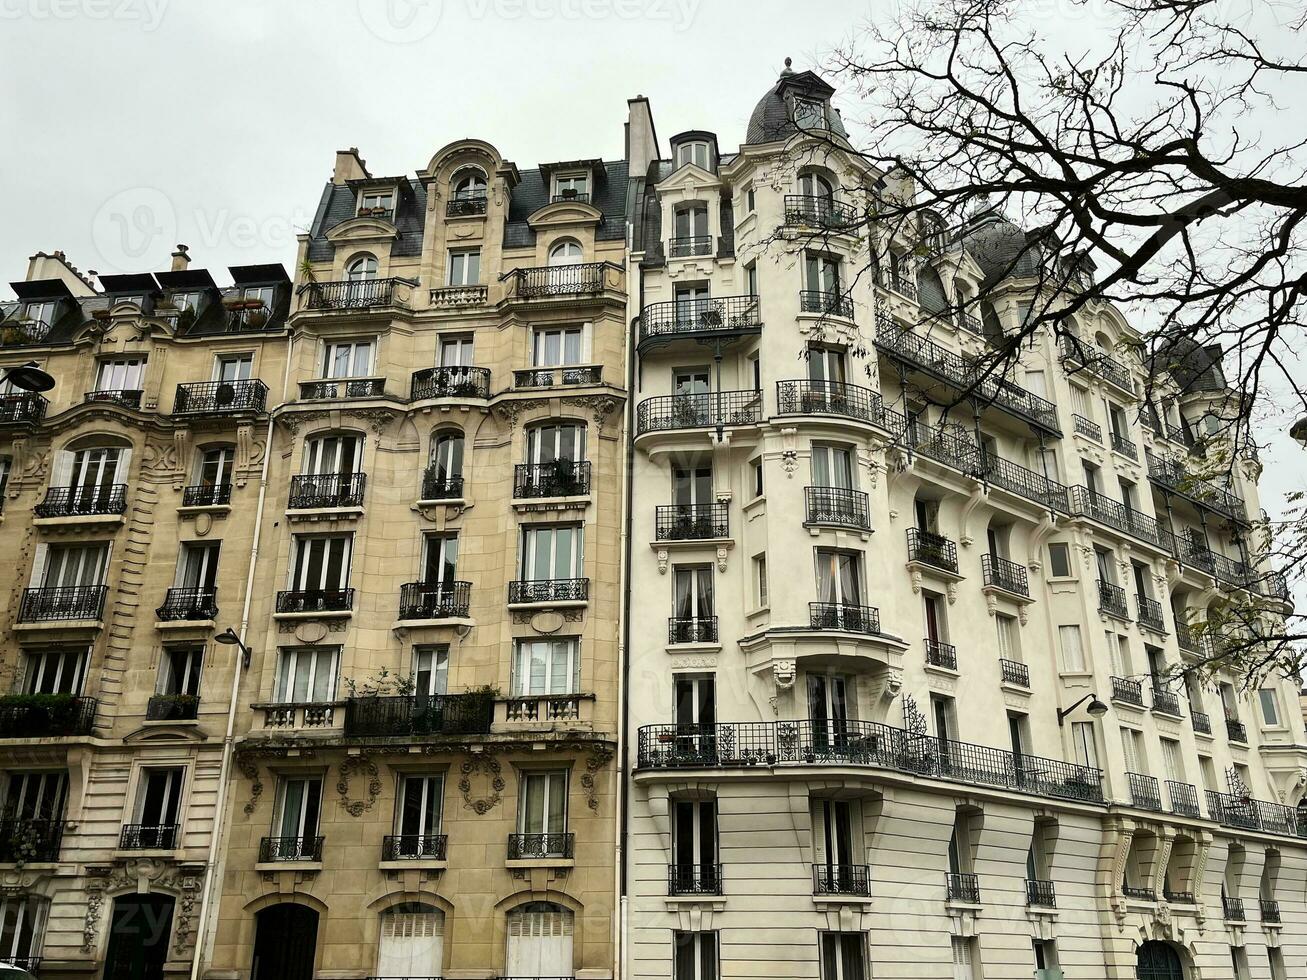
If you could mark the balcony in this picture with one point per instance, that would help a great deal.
(1245, 813)
(808, 397)
(962, 888)
(548, 281)
(324, 491)
(1166, 702)
(298, 714)
(188, 605)
(1176, 896)
(1144, 793)
(559, 478)
(1201, 721)
(1270, 909)
(350, 294)
(526, 591)
(570, 197)
(1096, 362)
(1232, 908)
(1236, 730)
(1128, 691)
(420, 714)
(435, 600)
(27, 841)
(1014, 673)
(694, 879)
(841, 879)
(863, 743)
(124, 397)
(1184, 798)
(999, 573)
(1086, 428)
(437, 485)
(207, 495)
(535, 847)
(687, 245)
(459, 297)
(901, 284)
(148, 837)
(826, 303)
(220, 397)
(465, 206)
(1150, 613)
(450, 382)
(273, 849)
(935, 550)
(693, 629)
(1040, 894)
(1116, 515)
(692, 522)
(897, 343)
(838, 507)
(83, 501)
(172, 707)
(1139, 893)
(340, 389)
(1173, 475)
(816, 211)
(939, 654)
(66, 603)
(712, 316)
(46, 715)
(1111, 600)
(698, 411)
(555, 377)
(844, 617)
(1122, 445)
(414, 847)
(315, 600)
(22, 408)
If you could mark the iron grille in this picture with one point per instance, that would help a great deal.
(692, 522)
(559, 478)
(46, 605)
(709, 315)
(343, 388)
(148, 837)
(1144, 792)
(1015, 673)
(172, 707)
(1040, 894)
(413, 847)
(842, 616)
(290, 849)
(698, 411)
(437, 485)
(462, 207)
(216, 397)
(963, 887)
(27, 406)
(434, 600)
(694, 879)
(206, 495)
(1127, 690)
(126, 397)
(42, 715)
(188, 604)
(349, 294)
(458, 381)
(826, 303)
(79, 501)
(557, 280)
(702, 629)
(1006, 575)
(315, 600)
(1184, 798)
(841, 879)
(420, 714)
(932, 549)
(817, 211)
(807, 397)
(527, 846)
(1111, 600)
(310, 491)
(941, 654)
(549, 590)
(25, 840)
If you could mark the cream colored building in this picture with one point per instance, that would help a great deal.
(868, 638)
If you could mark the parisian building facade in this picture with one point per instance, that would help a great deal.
(592, 570)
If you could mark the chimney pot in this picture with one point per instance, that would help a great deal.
(180, 259)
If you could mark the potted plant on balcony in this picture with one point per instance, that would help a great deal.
(176, 707)
(29, 841)
(39, 714)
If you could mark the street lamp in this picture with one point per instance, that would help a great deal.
(1298, 432)
(28, 377)
(229, 638)
(1096, 708)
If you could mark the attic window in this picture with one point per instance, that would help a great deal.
(697, 152)
(572, 187)
(42, 312)
(377, 203)
(809, 114)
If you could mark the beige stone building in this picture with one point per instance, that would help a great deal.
(910, 695)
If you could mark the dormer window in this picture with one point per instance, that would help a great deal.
(470, 185)
(185, 301)
(691, 227)
(42, 312)
(697, 152)
(377, 203)
(572, 187)
(363, 267)
(809, 114)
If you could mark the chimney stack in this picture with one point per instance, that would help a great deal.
(349, 166)
(180, 259)
(641, 138)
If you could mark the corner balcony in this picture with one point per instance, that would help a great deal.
(692, 522)
(71, 604)
(457, 381)
(188, 605)
(558, 377)
(548, 591)
(419, 714)
(825, 303)
(342, 389)
(29, 840)
(110, 499)
(559, 478)
(547, 282)
(840, 507)
(1245, 813)
(1004, 575)
(326, 491)
(1096, 362)
(1172, 475)
(148, 837)
(705, 410)
(1111, 601)
(844, 617)
(122, 397)
(711, 318)
(220, 398)
(22, 408)
(46, 715)
(299, 601)
(932, 550)
(356, 294)
(826, 213)
(830, 398)
(966, 457)
(841, 879)
(434, 600)
(862, 743)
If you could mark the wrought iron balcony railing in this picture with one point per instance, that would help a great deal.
(1111, 600)
(46, 715)
(314, 491)
(148, 837)
(172, 707)
(549, 590)
(817, 211)
(28, 840)
(53, 604)
(554, 377)
(414, 847)
(522, 847)
(1201, 721)
(1177, 896)
(570, 197)
(1236, 730)
(709, 315)
(542, 282)
(939, 654)
(839, 506)
(1087, 428)
(1014, 672)
(1184, 798)
(1166, 702)
(1128, 691)
(22, 407)
(220, 397)
(83, 501)
(188, 604)
(290, 849)
(826, 303)
(1270, 910)
(560, 478)
(349, 294)
(692, 629)
(902, 285)
(1040, 894)
(843, 616)
(970, 323)
(694, 879)
(932, 549)
(1245, 813)
(692, 522)
(1144, 793)
(315, 600)
(807, 397)
(1122, 445)
(1095, 361)
(1139, 893)
(1233, 908)
(337, 389)
(465, 205)
(451, 381)
(126, 397)
(863, 743)
(434, 600)
(1173, 475)
(698, 411)
(1116, 515)
(962, 887)
(841, 879)
(206, 495)
(689, 245)
(1000, 573)
(1150, 613)
(438, 485)
(420, 714)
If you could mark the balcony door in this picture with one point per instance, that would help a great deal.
(299, 806)
(158, 805)
(815, 185)
(539, 941)
(430, 670)
(555, 441)
(447, 457)
(839, 580)
(826, 366)
(692, 487)
(557, 347)
(546, 666)
(198, 568)
(695, 698)
(35, 796)
(55, 671)
(349, 359)
(333, 455)
(74, 566)
(691, 301)
(229, 370)
(690, 381)
(179, 670)
(285, 942)
(828, 710)
(822, 273)
(216, 466)
(691, 230)
(93, 472)
(439, 558)
(832, 838)
(693, 592)
(832, 466)
(694, 844)
(843, 956)
(418, 815)
(306, 675)
(120, 374)
(551, 553)
(321, 563)
(542, 808)
(412, 941)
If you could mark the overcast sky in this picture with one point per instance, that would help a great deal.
(132, 125)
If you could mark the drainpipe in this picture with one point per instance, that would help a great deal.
(202, 928)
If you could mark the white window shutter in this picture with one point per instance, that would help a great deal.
(62, 471)
(38, 565)
(124, 466)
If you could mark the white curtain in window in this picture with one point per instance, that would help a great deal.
(546, 667)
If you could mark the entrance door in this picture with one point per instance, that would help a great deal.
(1158, 961)
(285, 942)
(539, 941)
(138, 937)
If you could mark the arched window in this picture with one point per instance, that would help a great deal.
(815, 185)
(444, 476)
(362, 267)
(565, 253)
(469, 185)
(697, 152)
(339, 453)
(89, 477)
(555, 440)
(539, 941)
(412, 941)
(1156, 960)
(22, 928)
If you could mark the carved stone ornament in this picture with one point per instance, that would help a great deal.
(600, 756)
(783, 674)
(143, 874)
(488, 767)
(662, 561)
(357, 765)
(601, 407)
(790, 462)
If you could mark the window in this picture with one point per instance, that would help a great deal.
(750, 204)
(1239, 963)
(542, 808)
(1073, 651)
(5, 464)
(693, 599)
(91, 472)
(690, 231)
(555, 441)
(1275, 959)
(565, 253)
(22, 926)
(1270, 703)
(1046, 967)
(839, 577)
(694, 956)
(821, 273)
(35, 796)
(40, 312)
(348, 359)
(197, 566)
(295, 819)
(179, 671)
(1037, 383)
(361, 268)
(695, 697)
(456, 350)
(321, 563)
(751, 279)
(1009, 647)
(760, 578)
(465, 267)
(1082, 741)
(70, 566)
(1172, 763)
(120, 374)
(216, 466)
(809, 114)
(551, 666)
(57, 671)
(233, 367)
(306, 675)
(412, 941)
(832, 466)
(965, 958)
(550, 552)
(158, 802)
(694, 846)
(571, 186)
(815, 185)
(843, 956)
(1132, 745)
(1080, 402)
(417, 815)
(439, 558)
(430, 669)
(469, 185)
(539, 941)
(557, 346)
(378, 200)
(697, 152)
(836, 839)
(755, 466)
(445, 474)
